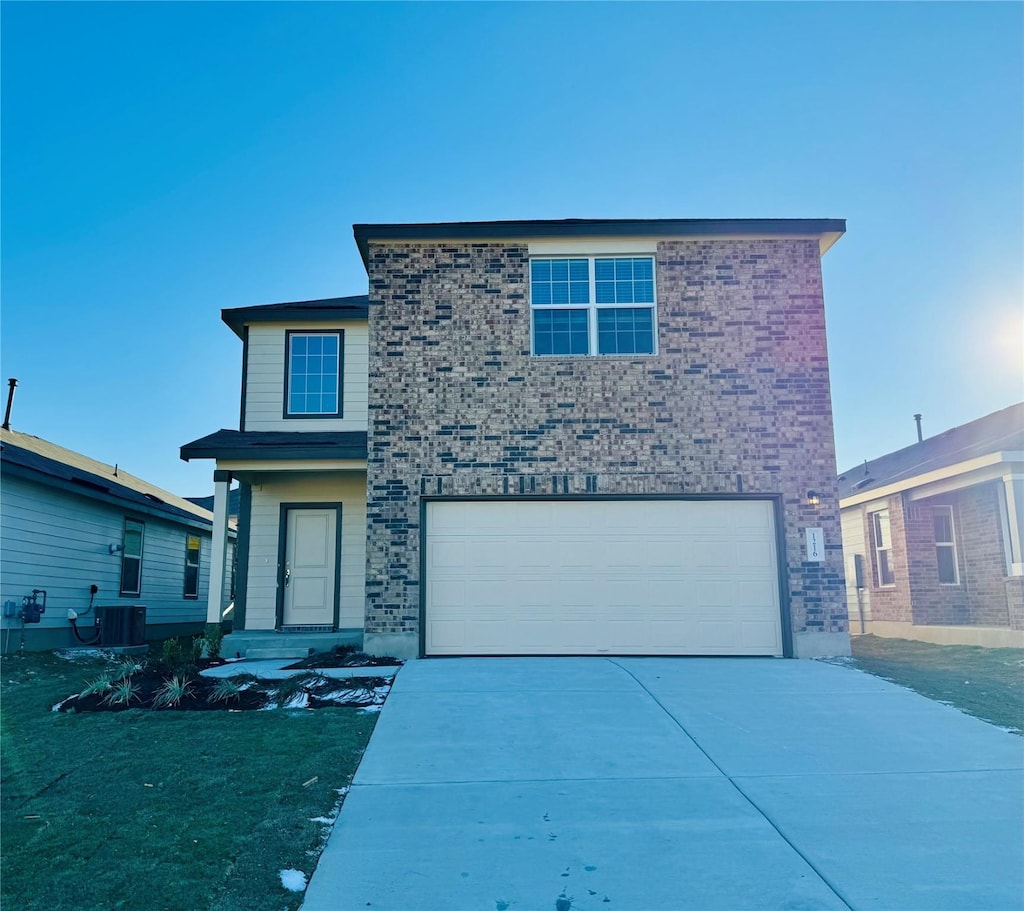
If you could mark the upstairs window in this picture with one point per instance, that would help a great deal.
(131, 557)
(192, 549)
(313, 374)
(881, 539)
(945, 545)
(593, 305)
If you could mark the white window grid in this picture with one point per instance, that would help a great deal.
(949, 545)
(594, 307)
(881, 540)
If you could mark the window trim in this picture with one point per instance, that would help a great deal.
(878, 549)
(285, 412)
(125, 556)
(951, 544)
(193, 596)
(592, 307)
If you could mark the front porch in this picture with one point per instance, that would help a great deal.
(300, 583)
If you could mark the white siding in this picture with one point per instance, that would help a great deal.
(60, 542)
(854, 543)
(347, 489)
(264, 388)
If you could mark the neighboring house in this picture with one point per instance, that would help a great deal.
(68, 522)
(932, 536)
(234, 503)
(550, 437)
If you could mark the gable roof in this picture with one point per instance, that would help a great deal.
(827, 230)
(1001, 431)
(47, 463)
(327, 308)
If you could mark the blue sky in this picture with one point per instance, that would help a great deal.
(163, 161)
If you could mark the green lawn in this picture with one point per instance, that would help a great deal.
(985, 682)
(164, 811)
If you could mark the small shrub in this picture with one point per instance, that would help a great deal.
(171, 692)
(100, 685)
(230, 689)
(179, 656)
(121, 693)
(125, 668)
(213, 639)
(170, 652)
(292, 688)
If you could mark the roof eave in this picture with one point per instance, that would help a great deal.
(827, 230)
(964, 468)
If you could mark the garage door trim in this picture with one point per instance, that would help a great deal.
(777, 513)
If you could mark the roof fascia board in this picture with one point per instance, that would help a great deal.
(236, 320)
(283, 453)
(272, 465)
(995, 472)
(930, 477)
(109, 498)
(826, 230)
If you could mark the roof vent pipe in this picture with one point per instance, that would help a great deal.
(12, 382)
(917, 420)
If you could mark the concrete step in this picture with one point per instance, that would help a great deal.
(255, 643)
(254, 654)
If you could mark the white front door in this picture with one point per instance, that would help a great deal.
(310, 567)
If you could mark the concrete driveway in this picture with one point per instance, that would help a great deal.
(654, 784)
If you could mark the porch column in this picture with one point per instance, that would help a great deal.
(1013, 509)
(218, 559)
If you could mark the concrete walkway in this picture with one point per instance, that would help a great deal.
(649, 784)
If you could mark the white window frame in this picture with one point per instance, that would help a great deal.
(951, 544)
(198, 551)
(125, 556)
(592, 307)
(289, 339)
(880, 548)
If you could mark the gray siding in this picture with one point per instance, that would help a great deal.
(58, 542)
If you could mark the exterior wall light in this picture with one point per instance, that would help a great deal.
(813, 499)
(115, 548)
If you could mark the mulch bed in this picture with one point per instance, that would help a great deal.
(342, 656)
(148, 680)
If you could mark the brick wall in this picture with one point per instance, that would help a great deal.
(980, 597)
(890, 602)
(982, 558)
(1015, 601)
(932, 602)
(738, 395)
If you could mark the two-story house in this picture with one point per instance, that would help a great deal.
(550, 437)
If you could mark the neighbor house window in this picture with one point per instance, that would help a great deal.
(882, 540)
(945, 545)
(593, 305)
(131, 558)
(192, 548)
(313, 374)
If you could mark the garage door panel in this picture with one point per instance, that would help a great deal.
(757, 555)
(601, 577)
(760, 634)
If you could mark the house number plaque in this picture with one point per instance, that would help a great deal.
(815, 545)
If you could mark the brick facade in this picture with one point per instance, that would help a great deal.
(737, 399)
(982, 595)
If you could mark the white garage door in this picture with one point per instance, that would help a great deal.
(594, 577)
